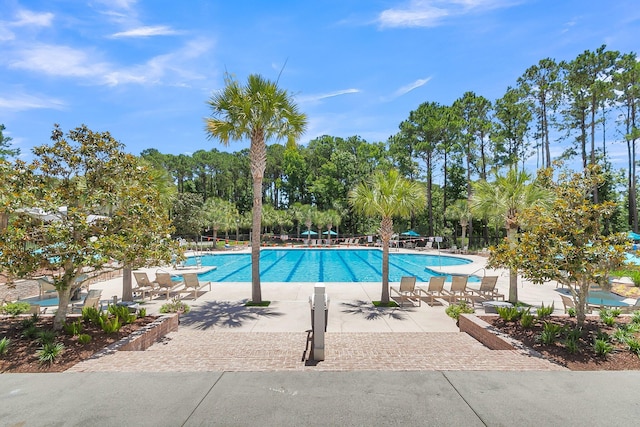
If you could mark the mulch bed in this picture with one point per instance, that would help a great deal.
(22, 357)
(586, 359)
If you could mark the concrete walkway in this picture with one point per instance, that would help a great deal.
(445, 398)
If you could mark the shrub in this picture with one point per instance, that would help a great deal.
(73, 328)
(178, 306)
(46, 336)
(527, 319)
(84, 338)
(15, 308)
(122, 312)
(544, 312)
(633, 344)
(608, 320)
(601, 335)
(602, 347)
(49, 351)
(621, 334)
(91, 315)
(31, 332)
(571, 311)
(571, 344)
(27, 323)
(110, 325)
(615, 312)
(635, 317)
(550, 333)
(509, 314)
(142, 312)
(4, 345)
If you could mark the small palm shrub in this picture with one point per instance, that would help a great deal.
(571, 311)
(122, 312)
(91, 315)
(73, 328)
(615, 312)
(4, 346)
(30, 332)
(110, 325)
(142, 312)
(455, 310)
(544, 312)
(27, 323)
(46, 337)
(633, 344)
(571, 345)
(527, 320)
(509, 314)
(602, 347)
(84, 338)
(49, 352)
(550, 333)
(635, 317)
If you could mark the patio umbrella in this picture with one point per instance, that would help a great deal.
(411, 233)
(309, 233)
(333, 233)
(634, 236)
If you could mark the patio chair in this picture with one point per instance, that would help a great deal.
(567, 302)
(143, 284)
(459, 289)
(488, 289)
(407, 289)
(631, 308)
(91, 300)
(165, 284)
(46, 286)
(435, 289)
(192, 284)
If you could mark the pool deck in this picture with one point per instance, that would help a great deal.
(220, 333)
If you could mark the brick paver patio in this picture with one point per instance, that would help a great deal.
(189, 350)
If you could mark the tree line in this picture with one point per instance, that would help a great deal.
(556, 113)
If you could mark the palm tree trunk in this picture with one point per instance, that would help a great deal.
(386, 230)
(513, 274)
(256, 292)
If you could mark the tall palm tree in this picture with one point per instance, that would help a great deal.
(259, 111)
(505, 198)
(459, 211)
(387, 195)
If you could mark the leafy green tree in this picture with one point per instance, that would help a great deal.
(565, 241)
(506, 197)
(187, 215)
(5, 146)
(259, 111)
(513, 114)
(543, 84)
(80, 205)
(219, 214)
(387, 195)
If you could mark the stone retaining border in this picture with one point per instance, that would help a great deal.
(143, 338)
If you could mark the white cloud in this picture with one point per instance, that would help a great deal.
(24, 102)
(411, 86)
(148, 31)
(319, 97)
(58, 61)
(28, 18)
(430, 13)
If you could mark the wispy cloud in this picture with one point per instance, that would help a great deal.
(430, 13)
(148, 31)
(63, 61)
(22, 102)
(407, 88)
(319, 97)
(29, 18)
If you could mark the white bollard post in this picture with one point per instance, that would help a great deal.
(319, 307)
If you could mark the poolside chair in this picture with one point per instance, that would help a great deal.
(459, 289)
(192, 284)
(165, 284)
(46, 286)
(487, 289)
(631, 308)
(435, 289)
(143, 284)
(567, 302)
(91, 300)
(407, 289)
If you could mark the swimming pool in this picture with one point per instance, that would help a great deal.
(324, 265)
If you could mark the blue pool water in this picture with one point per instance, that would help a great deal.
(324, 265)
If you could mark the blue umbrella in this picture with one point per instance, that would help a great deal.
(634, 236)
(309, 233)
(333, 233)
(411, 233)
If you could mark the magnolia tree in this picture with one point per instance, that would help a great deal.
(82, 206)
(565, 241)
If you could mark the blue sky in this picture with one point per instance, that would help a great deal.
(144, 69)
